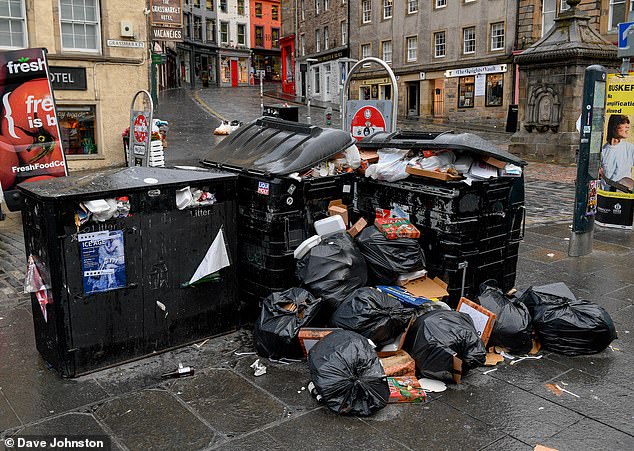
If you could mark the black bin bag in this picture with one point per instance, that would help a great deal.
(347, 373)
(512, 328)
(387, 259)
(333, 269)
(373, 314)
(282, 315)
(565, 324)
(436, 337)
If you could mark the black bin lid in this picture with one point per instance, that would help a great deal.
(444, 140)
(122, 180)
(277, 147)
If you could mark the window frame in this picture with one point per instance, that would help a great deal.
(209, 5)
(25, 31)
(258, 6)
(409, 6)
(96, 24)
(388, 7)
(471, 84)
(210, 37)
(388, 41)
(244, 33)
(367, 45)
(222, 22)
(275, 12)
(344, 32)
(409, 39)
(70, 105)
(494, 37)
(471, 41)
(326, 38)
(439, 4)
(436, 45)
(317, 40)
(255, 35)
(275, 43)
(365, 13)
(316, 80)
(614, 26)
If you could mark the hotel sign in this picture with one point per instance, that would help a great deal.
(167, 13)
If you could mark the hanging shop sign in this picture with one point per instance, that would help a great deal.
(167, 12)
(466, 71)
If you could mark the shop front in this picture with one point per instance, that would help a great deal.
(197, 63)
(234, 67)
(269, 61)
(287, 58)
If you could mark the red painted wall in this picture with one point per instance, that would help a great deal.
(265, 21)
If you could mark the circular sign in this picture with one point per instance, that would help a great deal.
(140, 129)
(367, 121)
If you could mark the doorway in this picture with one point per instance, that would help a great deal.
(412, 99)
(234, 73)
(438, 94)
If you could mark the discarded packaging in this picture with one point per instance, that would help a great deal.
(337, 208)
(393, 228)
(405, 389)
(483, 319)
(309, 336)
(399, 364)
(259, 368)
(432, 385)
(181, 371)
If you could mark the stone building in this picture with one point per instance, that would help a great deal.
(322, 48)
(452, 59)
(103, 45)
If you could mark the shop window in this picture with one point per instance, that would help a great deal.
(77, 125)
(495, 89)
(225, 69)
(259, 36)
(317, 80)
(12, 24)
(79, 21)
(243, 70)
(466, 88)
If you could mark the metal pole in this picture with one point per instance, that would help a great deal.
(308, 118)
(592, 115)
(261, 96)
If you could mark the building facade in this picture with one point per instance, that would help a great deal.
(287, 45)
(265, 28)
(452, 59)
(102, 48)
(322, 53)
(233, 37)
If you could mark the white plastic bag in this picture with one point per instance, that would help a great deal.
(353, 157)
(391, 166)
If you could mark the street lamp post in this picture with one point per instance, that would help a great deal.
(308, 92)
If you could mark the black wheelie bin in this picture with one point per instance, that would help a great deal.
(277, 204)
(470, 233)
(118, 287)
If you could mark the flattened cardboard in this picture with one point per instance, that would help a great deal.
(483, 319)
(427, 288)
(432, 174)
(399, 364)
(309, 336)
(336, 207)
(357, 227)
(371, 156)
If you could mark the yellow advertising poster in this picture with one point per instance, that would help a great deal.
(617, 152)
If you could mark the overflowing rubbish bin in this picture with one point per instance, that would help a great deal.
(282, 111)
(470, 232)
(126, 262)
(283, 188)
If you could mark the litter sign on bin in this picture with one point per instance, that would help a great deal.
(368, 117)
(102, 261)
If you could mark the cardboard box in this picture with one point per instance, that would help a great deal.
(431, 174)
(494, 162)
(371, 156)
(309, 336)
(483, 319)
(399, 364)
(427, 288)
(336, 207)
(393, 348)
(357, 227)
(404, 296)
(394, 228)
(405, 389)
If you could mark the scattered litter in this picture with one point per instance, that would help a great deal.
(181, 371)
(432, 385)
(613, 348)
(550, 254)
(490, 371)
(543, 448)
(243, 353)
(201, 344)
(541, 408)
(566, 391)
(128, 411)
(566, 239)
(557, 390)
(507, 356)
(258, 368)
(303, 388)
(527, 357)
(493, 359)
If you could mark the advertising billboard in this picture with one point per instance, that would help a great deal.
(30, 148)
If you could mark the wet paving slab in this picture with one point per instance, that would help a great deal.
(508, 443)
(155, 420)
(590, 435)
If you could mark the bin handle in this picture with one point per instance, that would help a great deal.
(287, 234)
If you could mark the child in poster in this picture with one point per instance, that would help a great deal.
(103, 261)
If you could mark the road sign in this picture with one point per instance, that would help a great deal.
(366, 121)
(626, 40)
(623, 32)
(158, 58)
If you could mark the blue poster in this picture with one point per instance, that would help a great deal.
(102, 261)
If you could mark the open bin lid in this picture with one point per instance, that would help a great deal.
(107, 182)
(277, 147)
(442, 140)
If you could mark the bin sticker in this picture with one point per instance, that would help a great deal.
(102, 261)
(263, 188)
(591, 209)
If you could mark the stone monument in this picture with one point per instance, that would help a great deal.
(551, 75)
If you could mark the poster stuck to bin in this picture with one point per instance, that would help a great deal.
(30, 145)
(102, 261)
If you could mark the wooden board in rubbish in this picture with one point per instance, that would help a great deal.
(432, 174)
(483, 319)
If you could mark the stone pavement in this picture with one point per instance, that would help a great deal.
(223, 406)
